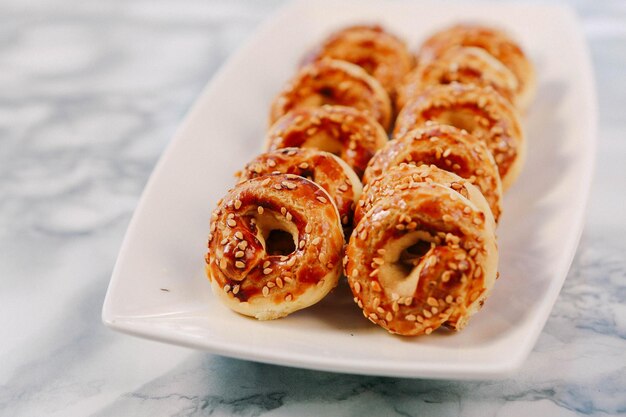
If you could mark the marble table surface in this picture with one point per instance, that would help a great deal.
(90, 93)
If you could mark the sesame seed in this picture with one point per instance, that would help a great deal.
(226, 288)
(279, 282)
(277, 186)
(223, 263)
(427, 314)
(260, 209)
(224, 241)
(288, 216)
(242, 245)
(288, 297)
(378, 261)
(303, 165)
(316, 240)
(265, 181)
(374, 272)
(235, 289)
(373, 316)
(237, 204)
(271, 163)
(395, 306)
(357, 287)
(240, 264)
(308, 228)
(270, 285)
(231, 223)
(266, 291)
(301, 244)
(354, 273)
(266, 264)
(449, 299)
(428, 330)
(376, 286)
(239, 235)
(239, 254)
(376, 303)
(288, 280)
(267, 271)
(321, 199)
(410, 317)
(380, 310)
(431, 301)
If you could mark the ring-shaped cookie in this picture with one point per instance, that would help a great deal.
(480, 111)
(495, 41)
(422, 258)
(465, 65)
(344, 131)
(383, 55)
(330, 81)
(448, 148)
(275, 246)
(323, 168)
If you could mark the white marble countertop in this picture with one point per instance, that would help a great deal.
(90, 93)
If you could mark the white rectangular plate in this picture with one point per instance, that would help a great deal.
(158, 289)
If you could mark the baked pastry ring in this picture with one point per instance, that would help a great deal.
(331, 81)
(480, 111)
(383, 55)
(406, 176)
(275, 246)
(497, 42)
(448, 148)
(324, 168)
(466, 65)
(423, 257)
(344, 131)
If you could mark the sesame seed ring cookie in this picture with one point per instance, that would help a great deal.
(422, 258)
(497, 42)
(324, 168)
(344, 131)
(480, 111)
(382, 54)
(448, 148)
(466, 65)
(406, 176)
(275, 246)
(331, 81)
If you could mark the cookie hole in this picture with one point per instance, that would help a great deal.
(279, 242)
(411, 256)
(461, 119)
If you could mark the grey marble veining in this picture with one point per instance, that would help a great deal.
(90, 93)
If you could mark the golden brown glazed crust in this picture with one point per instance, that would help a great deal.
(444, 280)
(448, 148)
(323, 168)
(383, 55)
(479, 110)
(349, 133)
(266, 285)
(330, 81)
(466, 65)
(402, 177)
(496, 42)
